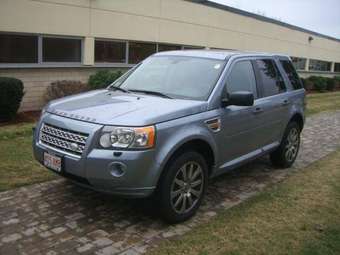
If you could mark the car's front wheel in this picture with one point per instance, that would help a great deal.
(286, 153)
(183, 186)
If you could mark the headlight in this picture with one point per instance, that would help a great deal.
(128, 137)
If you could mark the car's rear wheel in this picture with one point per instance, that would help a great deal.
(183, 186)
(286, 153)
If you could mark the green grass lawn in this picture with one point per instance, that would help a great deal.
(320, 102)
(298, 216)
(17, 167)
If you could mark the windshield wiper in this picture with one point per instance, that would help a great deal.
(118, 88)
(155, 93)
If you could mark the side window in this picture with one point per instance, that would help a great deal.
(242, 78)
(272, 81)
(291, 73)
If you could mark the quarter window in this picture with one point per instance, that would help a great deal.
(18, 48)
(140, 51)
(242, 78)
(61, 50)
(291, 73)
(110, 52)
(272, 82)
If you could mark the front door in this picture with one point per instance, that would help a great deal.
(238, 138)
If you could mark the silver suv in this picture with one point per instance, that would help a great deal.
(174, 121)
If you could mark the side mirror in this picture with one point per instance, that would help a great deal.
(239, 98)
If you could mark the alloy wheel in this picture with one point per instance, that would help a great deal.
(292, 146)
(187, 187)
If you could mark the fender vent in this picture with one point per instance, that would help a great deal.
(214, 124)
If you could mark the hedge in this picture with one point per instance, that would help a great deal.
(11, 93)
(321, 84)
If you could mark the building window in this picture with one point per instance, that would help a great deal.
(110, 52)
(140, 51)
(168, 47)
(318, 65)
(61, 49)
(337, 67)
(193, 47)
(18, 48)
(299, 63)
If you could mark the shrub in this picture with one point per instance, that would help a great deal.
(330, 84)
(102, 79)
(337, 82)
(11, 93)
(320, 83)
(64, 88)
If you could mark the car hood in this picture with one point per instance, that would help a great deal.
(126, 109)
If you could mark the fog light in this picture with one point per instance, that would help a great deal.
(117, 169)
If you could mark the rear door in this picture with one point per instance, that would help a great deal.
(272, 105)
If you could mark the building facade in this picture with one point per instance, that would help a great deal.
(42, 41)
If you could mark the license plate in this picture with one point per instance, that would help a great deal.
(52, 162)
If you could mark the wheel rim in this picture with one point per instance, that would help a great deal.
(292, 145)
(187, 187)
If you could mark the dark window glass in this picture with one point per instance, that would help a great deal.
(140, 51)
(272, 82)
(193, 47)
(292, 74)
(337, 67)
(318, 65)
(299, 63)
(61, 50)
(110, 52)
(18, 49)
(242, 78)
(168, 47)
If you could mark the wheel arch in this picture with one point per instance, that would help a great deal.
(298, 118)
(197, 144)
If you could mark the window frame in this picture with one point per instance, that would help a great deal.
(21, 34)
(40, 50)
(40, 63)
(319, 60)
(113, 64)
(259, 77)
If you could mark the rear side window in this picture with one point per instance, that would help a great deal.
(272, 81)
(292, 74)
(242, 78)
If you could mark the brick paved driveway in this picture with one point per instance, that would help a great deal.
(60, 218)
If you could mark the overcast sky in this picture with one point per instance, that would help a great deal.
(322, 16)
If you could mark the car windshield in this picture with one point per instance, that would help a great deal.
(174, 76)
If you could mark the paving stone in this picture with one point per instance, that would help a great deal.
(11, 238)
(85, 248)
(110, 250)
(60, 217)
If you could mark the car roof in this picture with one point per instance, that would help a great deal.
(216, 54)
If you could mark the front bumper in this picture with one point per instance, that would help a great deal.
(97, 168)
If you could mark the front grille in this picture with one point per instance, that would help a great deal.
(62, 139)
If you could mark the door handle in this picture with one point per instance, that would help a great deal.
(257, 110)
(285, 102)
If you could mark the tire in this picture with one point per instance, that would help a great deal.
(284, 156)
(180, 197)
